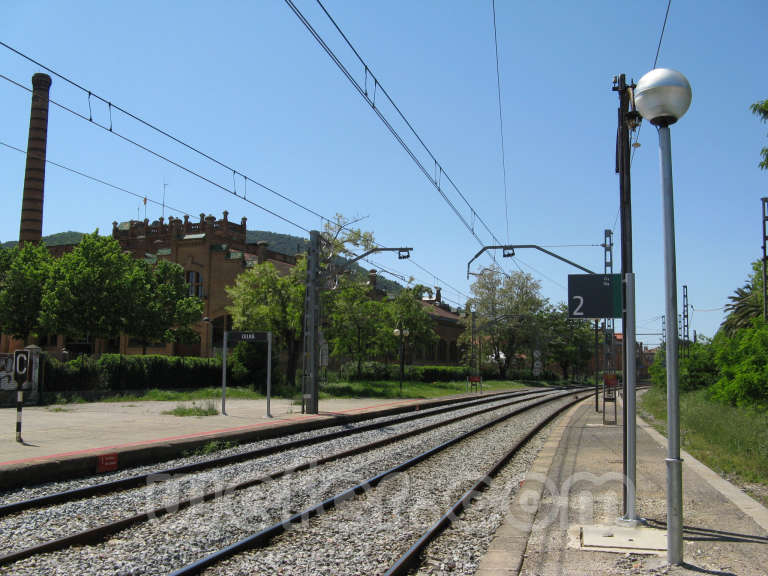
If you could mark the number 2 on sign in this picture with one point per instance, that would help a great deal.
(577, 311)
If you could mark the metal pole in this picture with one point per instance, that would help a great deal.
(629, 401)
(625, 210)
(224, 375)
(674, 463)
(269, 373)
(402, 361)
(472, 365)
(19, 405)
(597, 367)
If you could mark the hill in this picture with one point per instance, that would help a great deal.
(58, 239)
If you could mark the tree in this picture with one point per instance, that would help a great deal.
(88, 292)
(406, 310)
(23, 273)
(504, 312)
(161, 309)
(746, 303)
(356, 322)
(262, 299)
(570, 341)
(760, 109)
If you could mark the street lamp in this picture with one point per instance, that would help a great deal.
(662, 97)
(402, 334)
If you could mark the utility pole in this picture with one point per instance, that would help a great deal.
(309, 398)
(765, 239)
(663, 328)
(597, 366)
(627, 120)
(686, 326)
(609, 325)
(474, 368)
(608, 322)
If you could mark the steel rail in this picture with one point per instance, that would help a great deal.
(264, 536)
(140, 479)
(98, 533)
(413, 555)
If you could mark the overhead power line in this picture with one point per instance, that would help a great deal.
(178, 165)
(100, 181)
(661, 35)
(501, 118)
(369, 96)
(167, 134)
(115, 107)
(655, 62)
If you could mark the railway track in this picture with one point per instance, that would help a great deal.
(127, 480)
(49, 517)
(162, 538)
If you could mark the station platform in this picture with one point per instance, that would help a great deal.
(70, 440)
(563, 519)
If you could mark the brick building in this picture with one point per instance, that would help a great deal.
(212, 253)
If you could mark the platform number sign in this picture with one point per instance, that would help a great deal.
(594, 296)
(21, 366)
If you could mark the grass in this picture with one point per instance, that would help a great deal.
(181, 410)
(58, 409)
(374, 389)
(391, 389)
(156, 394)
(731, 440)
(210, 448)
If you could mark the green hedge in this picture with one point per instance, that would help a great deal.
(115, 372)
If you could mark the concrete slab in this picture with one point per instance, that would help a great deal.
(608, 538)
(69, 440)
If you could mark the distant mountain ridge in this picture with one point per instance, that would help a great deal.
(282, 243)
(58, 239)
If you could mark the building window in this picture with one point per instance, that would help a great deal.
(195, 281)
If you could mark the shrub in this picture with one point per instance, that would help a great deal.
(368, 371)
(436, 373)
(115, 373)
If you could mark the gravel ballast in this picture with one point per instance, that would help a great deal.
(180, 538)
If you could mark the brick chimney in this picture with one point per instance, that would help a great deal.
(372, 277)
(261, 251)
(31, 229)
(438, 297)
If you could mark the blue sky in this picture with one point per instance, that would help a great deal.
(246, 83)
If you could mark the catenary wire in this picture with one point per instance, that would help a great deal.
(661, 35)
(82, 174)
(363, 91)
(162, 157)
(501, 118)
(655, 62)
(100, 181)
(165, 133)
(235, 172)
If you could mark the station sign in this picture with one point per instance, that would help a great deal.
(594, 296)
(247, 336)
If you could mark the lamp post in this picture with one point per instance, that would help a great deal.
(662, 97)
(401, 333)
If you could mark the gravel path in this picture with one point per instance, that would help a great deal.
(368, 534)
(180, 538)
